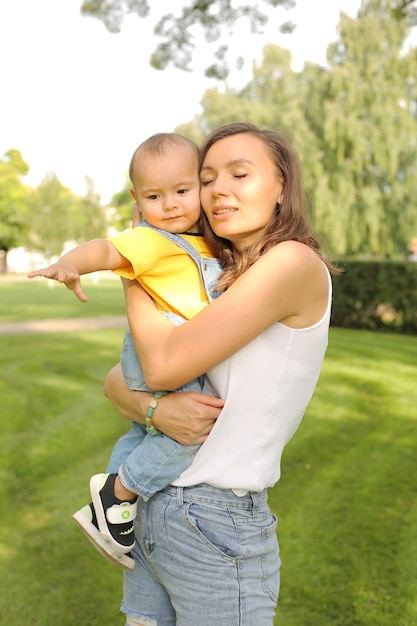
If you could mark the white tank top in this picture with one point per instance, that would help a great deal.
(267, 385)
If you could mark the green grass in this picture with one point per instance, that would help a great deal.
(56, 430)
(36, 299)
(346, 502)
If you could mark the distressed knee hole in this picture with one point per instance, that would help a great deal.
(142, 620)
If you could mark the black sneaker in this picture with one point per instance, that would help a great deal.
(87, 521)
(114, 517)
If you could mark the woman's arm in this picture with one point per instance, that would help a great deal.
(130, 404)
(289, 284)
(185, 417)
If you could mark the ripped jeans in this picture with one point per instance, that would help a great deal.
(204, 556)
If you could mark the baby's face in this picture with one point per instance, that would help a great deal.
(167, 189)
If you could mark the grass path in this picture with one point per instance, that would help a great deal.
(62, 325)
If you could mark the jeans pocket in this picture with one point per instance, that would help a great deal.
(215, 528)
(271, 560)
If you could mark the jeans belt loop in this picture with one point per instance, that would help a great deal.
(180, 496)
(255, 500)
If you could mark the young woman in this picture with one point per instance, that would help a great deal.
(206, 550)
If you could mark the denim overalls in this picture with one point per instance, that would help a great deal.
(145, 463)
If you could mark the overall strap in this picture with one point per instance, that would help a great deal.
(193, 253)
(175, 238)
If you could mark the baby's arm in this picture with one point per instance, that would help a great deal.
(92, 256)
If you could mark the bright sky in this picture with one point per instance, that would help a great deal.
(76, 100)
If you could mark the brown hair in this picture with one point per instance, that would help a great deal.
(289, 221)
(157, 145)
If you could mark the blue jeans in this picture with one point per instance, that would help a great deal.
(148, 463)
(203, 556)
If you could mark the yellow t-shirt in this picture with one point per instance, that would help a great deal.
(164, 269)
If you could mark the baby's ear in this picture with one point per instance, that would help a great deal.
(133, 194)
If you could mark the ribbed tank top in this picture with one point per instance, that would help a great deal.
(267, 386)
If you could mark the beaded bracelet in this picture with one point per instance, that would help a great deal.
(150, 428)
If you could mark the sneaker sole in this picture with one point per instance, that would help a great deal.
(101, 518)
(97, 540)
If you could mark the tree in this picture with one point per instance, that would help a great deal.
(14, 215)
(405, 9)
(122, 203)
(58, 215)
(90, 218)
(368, 135)
(213, 17)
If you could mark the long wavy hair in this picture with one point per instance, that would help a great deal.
(289, 222)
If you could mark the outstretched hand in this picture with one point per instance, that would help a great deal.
(65, 273)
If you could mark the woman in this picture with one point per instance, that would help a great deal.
(207, 551)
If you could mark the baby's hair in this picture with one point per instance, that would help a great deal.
(158, 144)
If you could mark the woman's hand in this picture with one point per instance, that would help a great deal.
(186, 417)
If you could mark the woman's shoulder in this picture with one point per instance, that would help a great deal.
(295, 270)
(294, 256)
(294, 247)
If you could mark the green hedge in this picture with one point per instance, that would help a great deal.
(376, 295)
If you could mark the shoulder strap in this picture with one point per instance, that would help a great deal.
(175, 238)
(208, 268)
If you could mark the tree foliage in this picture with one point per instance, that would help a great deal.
(122, 203)
(178, 29)
(58, 215)
(405, 9)
(215, 18)
(14, 214)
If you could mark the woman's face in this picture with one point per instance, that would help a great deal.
(240, 189)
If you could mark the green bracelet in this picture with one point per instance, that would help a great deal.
(150, 428)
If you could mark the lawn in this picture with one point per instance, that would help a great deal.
(22, 299)
(346, 502)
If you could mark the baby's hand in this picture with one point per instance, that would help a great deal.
(137, 215)
(65, 273)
